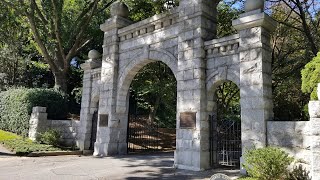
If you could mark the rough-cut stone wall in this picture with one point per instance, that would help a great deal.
(197, 21)
(292, 136)
(223, 64)
(127, 48)
(255, 76)
(300, 139)
(39, 124)
(89, 101)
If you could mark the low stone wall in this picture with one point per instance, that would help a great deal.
(299, 138)
(293, 137)
(39, 124)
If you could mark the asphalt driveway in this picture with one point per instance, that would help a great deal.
(128, 167)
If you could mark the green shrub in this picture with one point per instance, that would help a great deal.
(23, 146)
(50, 137)
(299, 173)
(268, 163)
(311, 77)
(16, 107)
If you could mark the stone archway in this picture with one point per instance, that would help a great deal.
(128, 72)
(183, 39)
(224, 126)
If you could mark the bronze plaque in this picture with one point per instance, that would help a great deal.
(103, 120)
(188, 120)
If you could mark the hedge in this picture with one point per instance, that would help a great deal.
(16, 107)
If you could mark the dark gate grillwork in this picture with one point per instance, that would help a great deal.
(93, 130)
(146, 136)
(225, 142)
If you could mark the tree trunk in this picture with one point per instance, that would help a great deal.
(60, 79)
(154, 109)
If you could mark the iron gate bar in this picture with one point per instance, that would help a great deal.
(225, 142)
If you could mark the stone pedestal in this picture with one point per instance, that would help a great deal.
(38, 122)
(255, 77)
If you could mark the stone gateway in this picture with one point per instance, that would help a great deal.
(185, 40)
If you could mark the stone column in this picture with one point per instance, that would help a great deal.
(112, 134)
(313, 129)
(38, 122)
(84, 131)
(255, 28)
(197, 21)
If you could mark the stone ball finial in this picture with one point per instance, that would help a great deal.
(119, 8)
(251, 5)
(94, 54)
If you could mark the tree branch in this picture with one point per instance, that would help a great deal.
(38, 11)
(56, 30)
(37, 38)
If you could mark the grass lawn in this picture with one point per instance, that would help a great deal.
(23, 146)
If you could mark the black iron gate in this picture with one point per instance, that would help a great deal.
(146, 136)
(225, 142)
(142, 134)
(93, 130)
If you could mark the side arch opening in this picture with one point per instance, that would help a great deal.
(225, 125)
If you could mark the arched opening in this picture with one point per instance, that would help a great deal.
(94, 124)
(152, 109)
(225, 126)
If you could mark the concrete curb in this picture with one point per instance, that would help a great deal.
(54, 153)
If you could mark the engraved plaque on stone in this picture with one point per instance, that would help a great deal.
(188, 120)
(103, 120)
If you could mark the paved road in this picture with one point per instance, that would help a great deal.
(130, 167)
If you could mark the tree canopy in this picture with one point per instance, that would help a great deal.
(59, 29)
(40, 38)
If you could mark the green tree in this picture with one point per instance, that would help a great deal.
(228, 101)
(154, 88)
(291, 51)
(60, 29)
(311, 77)
(225, 16)
(143, 9)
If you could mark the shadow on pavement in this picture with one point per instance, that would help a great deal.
(6, 154)
(164, 165)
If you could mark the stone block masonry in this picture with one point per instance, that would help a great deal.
(39, 124)
(185, 40)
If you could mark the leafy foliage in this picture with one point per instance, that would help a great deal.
(152, 89)
(60, 29)
(16, 106)
(268, 163)
(140, 10)
(228, 101)
(291, 52)
(50, 137)
(225, 16)
(21, 145)
(299, 173)
(311, 77)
